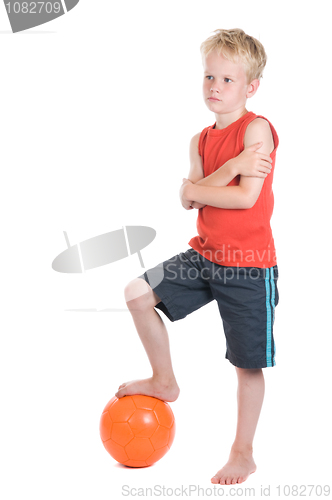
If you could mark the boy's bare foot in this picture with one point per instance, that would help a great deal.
(167, 391)
(238, 468)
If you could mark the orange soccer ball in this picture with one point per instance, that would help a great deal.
(137, 430)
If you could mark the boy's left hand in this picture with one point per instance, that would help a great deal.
(187, 204)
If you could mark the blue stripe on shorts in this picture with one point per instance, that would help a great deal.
(270, 307)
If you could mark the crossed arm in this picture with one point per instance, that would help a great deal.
(253, 164)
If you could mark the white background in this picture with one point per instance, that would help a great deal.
(97, 111)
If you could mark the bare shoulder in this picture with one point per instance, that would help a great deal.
(196, 163)
(194, 141)
(259, 130)
(193, 148)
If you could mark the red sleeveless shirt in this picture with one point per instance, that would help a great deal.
(235, 237)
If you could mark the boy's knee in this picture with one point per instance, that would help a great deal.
(245, 372)
(139, 294)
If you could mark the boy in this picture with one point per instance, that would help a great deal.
(232, 260)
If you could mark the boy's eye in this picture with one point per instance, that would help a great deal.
(229, 80)
(209, 77)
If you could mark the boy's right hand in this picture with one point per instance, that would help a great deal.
(252, 163)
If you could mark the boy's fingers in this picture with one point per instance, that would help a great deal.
(265, 157)
(266, 166)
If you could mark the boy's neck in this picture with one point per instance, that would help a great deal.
(223, 121)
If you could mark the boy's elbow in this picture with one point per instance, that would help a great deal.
(249, 199)
(250, 203)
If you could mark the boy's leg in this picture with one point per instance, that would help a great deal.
(250, 395)
(141, 300)
(182, 289)
(250, 347)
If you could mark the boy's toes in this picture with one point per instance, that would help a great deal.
(218, 480)
(123, 389)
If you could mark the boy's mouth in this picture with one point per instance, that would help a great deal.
(213, 99)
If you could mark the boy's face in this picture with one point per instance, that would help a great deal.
(225, 87)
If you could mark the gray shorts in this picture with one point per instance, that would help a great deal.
(246, 297)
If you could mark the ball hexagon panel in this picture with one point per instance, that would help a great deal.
(105, 426)
(157, 455)
(164, 414)
(136, 463)
(121, 433)
(139, 449)
(171, 435)
(146, 402)
(160, 437)
(122, 412)
(116, 451)
(110, 403)
(143, 423)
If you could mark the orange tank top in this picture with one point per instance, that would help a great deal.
(235, 237)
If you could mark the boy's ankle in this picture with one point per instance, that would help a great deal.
(165, 380)
(246, 449)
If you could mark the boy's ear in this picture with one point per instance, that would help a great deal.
(252, 88)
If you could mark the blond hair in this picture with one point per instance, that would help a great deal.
(236, 46)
